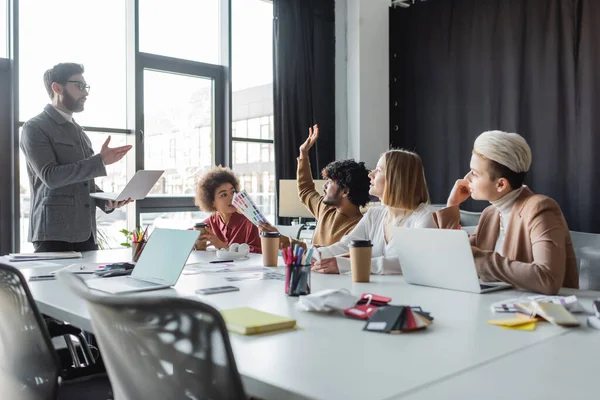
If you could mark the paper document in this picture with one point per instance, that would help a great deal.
(212, 269)
(79, 268)
(43, 256)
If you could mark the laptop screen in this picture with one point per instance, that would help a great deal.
(165, 254)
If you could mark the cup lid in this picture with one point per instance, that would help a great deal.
(200, 225)
(266, 234)
(361, 243)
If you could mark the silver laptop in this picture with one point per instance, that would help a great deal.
(439, 258)
(158, 267)
(136, 189)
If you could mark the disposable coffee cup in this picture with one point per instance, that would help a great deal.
(360, 260)
(200, 243)
(269, 242)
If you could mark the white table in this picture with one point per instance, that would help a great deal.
(330, 357)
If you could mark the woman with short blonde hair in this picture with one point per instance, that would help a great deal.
(399, 181)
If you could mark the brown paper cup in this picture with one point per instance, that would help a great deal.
(269, 242)
(360, 260)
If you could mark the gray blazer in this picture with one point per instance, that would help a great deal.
(61, 166)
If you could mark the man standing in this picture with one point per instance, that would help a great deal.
(61, 166)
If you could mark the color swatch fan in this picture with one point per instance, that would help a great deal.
(244, 204)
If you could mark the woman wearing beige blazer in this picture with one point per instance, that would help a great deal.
(522, 238)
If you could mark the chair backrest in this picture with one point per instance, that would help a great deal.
(29, 366)
(587, 252)
(161, 347)
(469, 218)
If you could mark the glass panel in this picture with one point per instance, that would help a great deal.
(251, 44)
(110, 224)
(179, 134)
(187, 29)
(3, 29)
(241, 129)
(173, 220)
(257, 174)
(254, 128)
(105, 70)
(252, 99)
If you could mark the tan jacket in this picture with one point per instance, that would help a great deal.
(538, 252)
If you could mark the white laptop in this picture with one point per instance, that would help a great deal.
(136, 189)
(158, 267)
(439, 258)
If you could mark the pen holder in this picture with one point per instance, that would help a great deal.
(136, 250)
(297, 280)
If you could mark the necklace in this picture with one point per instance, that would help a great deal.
(502, 232)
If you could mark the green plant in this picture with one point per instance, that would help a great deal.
(128, 237)
(102, 239)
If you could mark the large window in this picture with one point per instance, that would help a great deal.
(252, 100)
(85, 39)
(103, 54)
(186, 29)
(163, 91)
(179, 133)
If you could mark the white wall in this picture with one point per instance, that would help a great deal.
(362, 79)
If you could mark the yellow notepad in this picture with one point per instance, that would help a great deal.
(249, 321)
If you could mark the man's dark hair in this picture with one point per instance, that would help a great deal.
(497, 171)
(61, 73)
(351, 175)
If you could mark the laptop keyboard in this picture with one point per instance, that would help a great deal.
(136, 283)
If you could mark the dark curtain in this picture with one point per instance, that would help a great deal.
(304, 83)
(461, 67)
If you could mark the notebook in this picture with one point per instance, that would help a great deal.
(249, 321)
(556, 314)
(136, 189)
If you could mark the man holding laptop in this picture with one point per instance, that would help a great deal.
(522, 238)
(61, 166)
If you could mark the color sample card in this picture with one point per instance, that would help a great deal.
(244, 204)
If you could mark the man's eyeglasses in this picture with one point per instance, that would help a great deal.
(81, 86)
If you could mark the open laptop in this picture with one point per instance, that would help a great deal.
(158, 267)
(439, 258)
(136, 189)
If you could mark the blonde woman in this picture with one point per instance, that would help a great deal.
(399, 181)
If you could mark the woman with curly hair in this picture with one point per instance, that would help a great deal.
(399, 181)
(225, 226)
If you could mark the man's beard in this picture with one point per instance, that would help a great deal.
(71, 104)
(334, 201)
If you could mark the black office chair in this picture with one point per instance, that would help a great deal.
(161, 347)
(29, 366)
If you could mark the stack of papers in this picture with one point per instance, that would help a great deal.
(244, 204)
(520, 322)
(12, 257)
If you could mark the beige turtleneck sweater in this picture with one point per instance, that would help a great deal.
(504, 206)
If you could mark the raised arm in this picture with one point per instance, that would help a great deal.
(307, 193)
